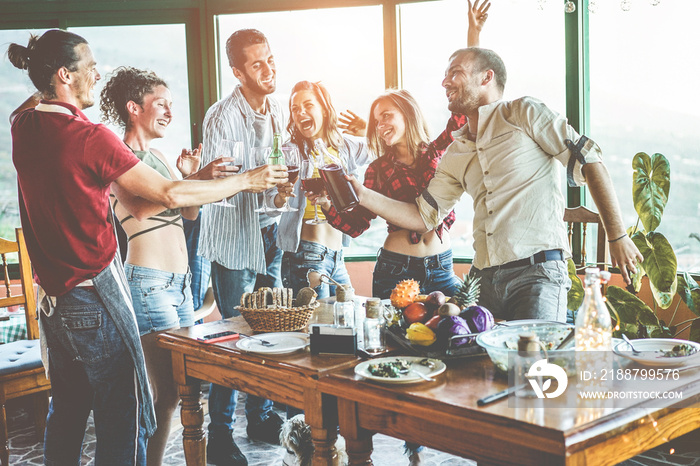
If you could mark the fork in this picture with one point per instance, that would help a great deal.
(262, 342)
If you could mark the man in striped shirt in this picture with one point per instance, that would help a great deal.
(240, 243)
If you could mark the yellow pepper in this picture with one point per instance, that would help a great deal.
(420, 334)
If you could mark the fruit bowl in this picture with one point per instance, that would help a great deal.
(502, 340)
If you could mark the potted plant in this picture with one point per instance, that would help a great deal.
(650, 189)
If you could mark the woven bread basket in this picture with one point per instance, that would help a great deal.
(278, 319)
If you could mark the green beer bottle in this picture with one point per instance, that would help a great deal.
(277, 156)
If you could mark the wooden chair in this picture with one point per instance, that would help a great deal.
(207, 307)
(583, 216)
(21, 370)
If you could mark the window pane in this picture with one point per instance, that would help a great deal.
(159, 48)
(530, 41)
(644, 99)
(342, 47)
(16, 87)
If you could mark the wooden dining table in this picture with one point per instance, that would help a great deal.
(286, 378)
(444, 415)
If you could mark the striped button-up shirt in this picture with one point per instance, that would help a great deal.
(513, 172)
(231, 236)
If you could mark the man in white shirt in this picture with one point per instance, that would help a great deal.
(507, 158)
(241, 243)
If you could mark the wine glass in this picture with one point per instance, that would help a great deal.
(233, 149)
(311, 181)
(260, 158)
(291, 160)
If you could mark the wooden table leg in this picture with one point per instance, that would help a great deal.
(321, 414)
(192, 415)
(358, 441)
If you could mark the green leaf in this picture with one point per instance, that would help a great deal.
(636, 318)
(659, 259)
(650, 187)
(689, 291)
(575, 296)
(663, 298)
(695, 331)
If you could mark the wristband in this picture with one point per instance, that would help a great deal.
(617, 239)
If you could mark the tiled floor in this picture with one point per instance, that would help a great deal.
(25, 449)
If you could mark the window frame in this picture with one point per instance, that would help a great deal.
(200, 19)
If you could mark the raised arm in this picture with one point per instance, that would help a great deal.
(477, 18)
(143, 181)
(623, 253)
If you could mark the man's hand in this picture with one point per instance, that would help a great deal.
(625, 255)
(351, 123)
(189, 160)
(265, 177)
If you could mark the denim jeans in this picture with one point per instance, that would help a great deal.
(199, 266)
(433, 273)
(314, 256)
(229, 286)
(162, 300)
(91, 369)
(536, 291)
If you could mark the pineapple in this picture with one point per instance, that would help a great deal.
(468, 293)
(405, 292)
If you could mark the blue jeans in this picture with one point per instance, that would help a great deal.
(90, 369)
(229, 286)
(314, 256)
(162, 300)
(199, 266)
(536, 291)
(433, 273)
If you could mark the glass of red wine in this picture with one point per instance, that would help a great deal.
(234, 150)
(311, 181)
(291, 160)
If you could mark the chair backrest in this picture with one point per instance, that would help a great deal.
(583, 216)
(26, 298)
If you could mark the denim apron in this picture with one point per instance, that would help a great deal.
(112, 287)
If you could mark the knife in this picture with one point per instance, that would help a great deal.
(505, 393)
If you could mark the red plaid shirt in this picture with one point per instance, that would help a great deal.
(401, 182)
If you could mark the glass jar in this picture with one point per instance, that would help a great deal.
(344, 307)
(374, 326)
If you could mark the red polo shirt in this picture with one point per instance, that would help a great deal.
(65, 165)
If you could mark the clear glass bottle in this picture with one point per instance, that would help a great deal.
(344, 307)
(528, 354)
(374, 326)
(593, 322)
(277, 156)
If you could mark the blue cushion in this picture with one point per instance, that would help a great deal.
(19, 356)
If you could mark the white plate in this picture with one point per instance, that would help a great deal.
(651, 352)
(362, 369)
(285, 342)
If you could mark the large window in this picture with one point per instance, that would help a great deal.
(159, 48)
(530, 41)
(644, 98)
(15, 87)
(342, 47)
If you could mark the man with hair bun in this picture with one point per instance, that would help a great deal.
(65, 165)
